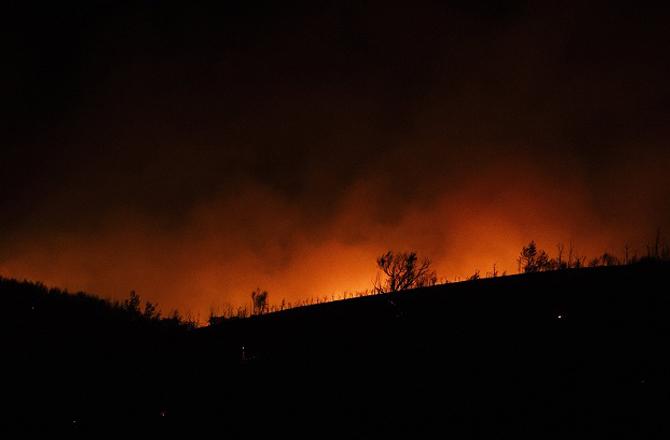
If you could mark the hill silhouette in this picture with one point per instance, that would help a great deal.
(548, 354)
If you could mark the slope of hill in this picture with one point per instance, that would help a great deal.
(74, 358)
(540, 355)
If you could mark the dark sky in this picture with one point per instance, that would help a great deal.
(194, 153)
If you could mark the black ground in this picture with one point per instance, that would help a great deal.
(546, 355)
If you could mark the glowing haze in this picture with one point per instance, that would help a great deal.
(194, 155)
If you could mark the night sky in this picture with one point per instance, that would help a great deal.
(194, 153)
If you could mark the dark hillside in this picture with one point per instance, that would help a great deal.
(550, 354)
(74, 359)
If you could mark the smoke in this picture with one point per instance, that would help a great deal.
(196, 166)
(230, 243)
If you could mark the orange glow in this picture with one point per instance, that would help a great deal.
(229, 246)
(194, 156)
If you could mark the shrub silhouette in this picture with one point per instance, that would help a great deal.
(259, 300)
(543, 262)
(151, 311)
(606, 259)
(403, 271)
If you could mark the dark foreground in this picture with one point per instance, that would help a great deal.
(549, 355)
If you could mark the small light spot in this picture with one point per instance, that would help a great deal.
(560, 317)
(163, 413)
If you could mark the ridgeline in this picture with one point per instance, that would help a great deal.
(551, 354)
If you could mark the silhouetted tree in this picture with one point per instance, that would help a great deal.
(626, 256)
(528, 258)
(657, 244)
(151, 311)
(543, 262)
(533, 259)
(660, 250)
(571, 251)
(607, 259)
(403, 271)
(259, 300)
(494, 274)
(132, 304)
(560, 264)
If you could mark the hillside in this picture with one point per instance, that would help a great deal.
(548, 354)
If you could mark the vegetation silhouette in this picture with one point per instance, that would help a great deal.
(565, 352)
(403, 271)
(259, 300)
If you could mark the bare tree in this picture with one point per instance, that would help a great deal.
(660, 249)
(403, 271)
(570, 254)
(575, 261)
(560, 264)
(259, 300)
(626, 259)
